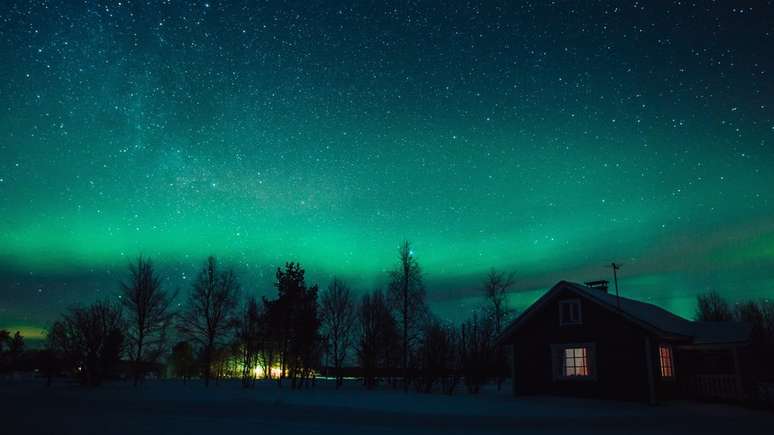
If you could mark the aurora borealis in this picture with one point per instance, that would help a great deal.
(548, 139)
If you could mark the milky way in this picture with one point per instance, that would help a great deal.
(548, 139)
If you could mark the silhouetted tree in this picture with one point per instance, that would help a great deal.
(15, 350)
(272, 336)
(250, 335)
(295, 324)
(711, 307)
(290, 284)
(406, 295)
(90, 339)
(306, 347)
(475, 350)
(496, 287)
(759, 314)
(438, 358)
(9, 359)
(149, 314)
(338, 315)
(209, 316)
(226, 358)
(183, 361)
(379, 337)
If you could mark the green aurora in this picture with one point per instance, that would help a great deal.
(543, 140)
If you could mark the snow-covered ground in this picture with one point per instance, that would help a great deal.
(172, 407)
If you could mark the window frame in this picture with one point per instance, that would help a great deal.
(558, 358)
(570, 303)
(671, 362)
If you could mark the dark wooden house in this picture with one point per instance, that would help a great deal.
(583, 341)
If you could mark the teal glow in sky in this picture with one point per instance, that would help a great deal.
(545, 139)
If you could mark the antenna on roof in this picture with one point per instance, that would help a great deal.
(616, 267)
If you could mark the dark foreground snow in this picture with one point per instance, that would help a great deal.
(171, 407)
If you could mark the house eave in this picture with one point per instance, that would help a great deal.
(505, 337)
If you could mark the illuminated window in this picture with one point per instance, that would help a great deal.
(569, 312)
(573, 361)
(665, 361)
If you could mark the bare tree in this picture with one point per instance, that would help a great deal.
(272, 334)
(305, 350)
(17, 347)
(475, 351)
(90, 339)
(496, 287)
(407, 298)
(9, 360)
(249, 341)
(209, 317)
(711, 307)
(338, 317)
(438, 358)
(379, 337)
(760, 315)
(149, 312)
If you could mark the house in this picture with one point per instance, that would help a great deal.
(581, 340)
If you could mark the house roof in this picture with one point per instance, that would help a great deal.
(649, 316)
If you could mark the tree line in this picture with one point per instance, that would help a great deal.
(220, 331)
(386, 336)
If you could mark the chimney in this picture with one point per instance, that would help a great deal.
(598, 285)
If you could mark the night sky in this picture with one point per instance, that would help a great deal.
(547, 139)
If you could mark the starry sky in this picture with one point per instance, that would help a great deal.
(543, 138)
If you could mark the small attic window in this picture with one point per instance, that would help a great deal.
(570, 312)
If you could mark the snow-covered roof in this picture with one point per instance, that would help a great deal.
(653, 317)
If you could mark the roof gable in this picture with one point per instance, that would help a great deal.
(648, 316)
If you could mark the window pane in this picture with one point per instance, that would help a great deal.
(665, 361)
(575, 362)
